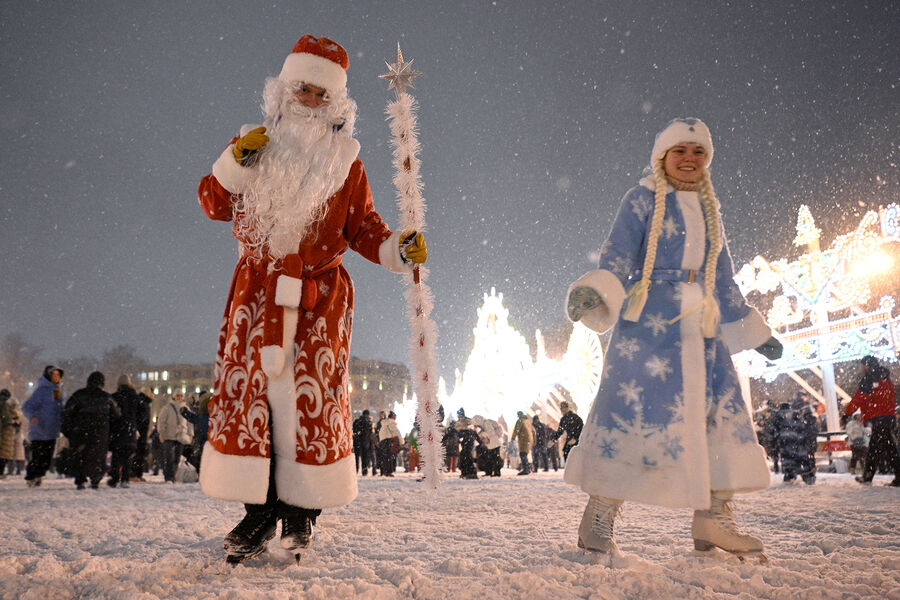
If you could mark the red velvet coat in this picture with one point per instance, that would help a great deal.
(283, 349)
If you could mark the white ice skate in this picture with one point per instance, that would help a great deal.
(716, 528)
(595, 534)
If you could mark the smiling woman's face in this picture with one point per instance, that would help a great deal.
(685, 162)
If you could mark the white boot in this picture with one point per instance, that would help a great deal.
(596, 530)
(716, 527)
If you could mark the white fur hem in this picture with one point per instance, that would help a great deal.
(231, 477)
(602, 318)
(316, 486)
(229, 173)
(246, 479)
(746, 334)
(389, 255)
(271, 359)
(287, 291)
(737, 468)
(314, 69)
(598, 476)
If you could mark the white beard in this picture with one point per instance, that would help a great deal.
(305, 162)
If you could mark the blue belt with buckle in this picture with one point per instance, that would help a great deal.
(685, 275)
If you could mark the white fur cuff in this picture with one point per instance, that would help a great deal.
(229, 173)
(747, 333)
(389, 255)
(288, 290)
(602, 318)
(271, 359)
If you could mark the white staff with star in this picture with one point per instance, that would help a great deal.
(402, 117)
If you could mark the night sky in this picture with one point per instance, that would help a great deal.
(536, 117)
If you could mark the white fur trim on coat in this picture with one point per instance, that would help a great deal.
(271, 359)
(310, 68)
(389, 255)
(602, 318)
(227, 170)
(229, 173)
(739, 468)
(746, 334)
(316, 486)
(237, 478)
(288, 290)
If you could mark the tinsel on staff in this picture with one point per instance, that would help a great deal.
(402, 117)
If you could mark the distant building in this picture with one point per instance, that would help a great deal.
(165, 379)
(374, 384)
(377, 385)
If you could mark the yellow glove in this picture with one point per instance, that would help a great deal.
(249, 144)
(413, 247)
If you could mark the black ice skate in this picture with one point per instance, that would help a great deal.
(296, 529)
(249, 538)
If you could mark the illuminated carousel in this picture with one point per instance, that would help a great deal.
(823, 308)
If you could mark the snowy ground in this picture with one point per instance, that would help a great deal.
(507, 538)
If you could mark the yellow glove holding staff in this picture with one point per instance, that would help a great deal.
(249, 144)
(413, 247)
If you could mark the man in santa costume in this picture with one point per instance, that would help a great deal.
(280, 433)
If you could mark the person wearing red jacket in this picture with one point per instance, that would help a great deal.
(875, 400)
(280, 434)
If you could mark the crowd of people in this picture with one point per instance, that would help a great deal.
(471, 444)
(789, 432)
(94, 433)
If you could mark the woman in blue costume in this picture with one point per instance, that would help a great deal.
(669, 425)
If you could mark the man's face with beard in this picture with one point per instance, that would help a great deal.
(305, 162)
(311, 96)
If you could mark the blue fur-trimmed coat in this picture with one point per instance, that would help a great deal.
(669, 422)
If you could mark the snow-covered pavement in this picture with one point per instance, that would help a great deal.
(507, 538)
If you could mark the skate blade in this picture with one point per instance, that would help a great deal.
(236, 559)
(704, 546)
(759, 556)
(599, 555)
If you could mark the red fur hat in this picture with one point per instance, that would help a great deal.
(318, 61)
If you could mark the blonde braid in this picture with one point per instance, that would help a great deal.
(710, 320)
(637, 296)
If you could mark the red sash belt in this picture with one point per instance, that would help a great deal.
(290, 284)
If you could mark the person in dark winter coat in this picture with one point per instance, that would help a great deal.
(157, 460)
(139, 460)
(766, 434)
(570, 424)
(795, 427)
(450, 441)
(875, 399)
(362, 441)
(123, 438)
(467, 440)
(858, 437)
(539, 450)
(86, 423)
(200, 421)
(44, 412)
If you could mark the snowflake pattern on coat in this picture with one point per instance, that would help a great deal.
(646, 422)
